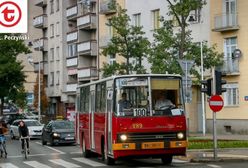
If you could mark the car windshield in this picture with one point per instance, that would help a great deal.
(63, 125)
(32, 123)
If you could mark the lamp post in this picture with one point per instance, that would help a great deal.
(30, 60)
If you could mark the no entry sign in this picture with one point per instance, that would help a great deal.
(216, 103)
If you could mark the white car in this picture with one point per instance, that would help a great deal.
(34, 127)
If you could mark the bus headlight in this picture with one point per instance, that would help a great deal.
(180, 135)
(123, 137)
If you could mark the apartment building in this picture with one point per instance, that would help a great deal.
(36, 56)
(229, 32)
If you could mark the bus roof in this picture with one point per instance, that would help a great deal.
(131, 75)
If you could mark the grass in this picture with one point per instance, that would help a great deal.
(196, 143)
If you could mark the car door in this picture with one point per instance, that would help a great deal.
(14, 128)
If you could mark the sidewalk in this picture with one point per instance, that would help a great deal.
(225, 155)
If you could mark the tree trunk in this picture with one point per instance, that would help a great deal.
(2, 105)
(181, 48)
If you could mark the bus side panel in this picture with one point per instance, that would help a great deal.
(99, 128)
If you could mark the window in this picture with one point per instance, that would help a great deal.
(52, 6)
(111, 30)
(57, 53)
(136, 19)
(231, 96)
(84, 99)
(112, 59)
(100, 97)
(57, 75)
(52, 78)
(52, 30)
(72, 50)
(52, 54)
(155, 19)
(57, 29)
(57, 5)
(195, 16)
(230, 44)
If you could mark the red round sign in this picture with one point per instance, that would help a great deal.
(216, 103)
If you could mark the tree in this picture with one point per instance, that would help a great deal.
(128, 41)
(172, 43)
(44, 99)
(11, 75)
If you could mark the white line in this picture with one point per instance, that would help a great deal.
(36, 164)
(51, 148)
(214, 166)
(41, 154)
(7, 165)
(179, 161)
(89, 162)
(64, 163)
(75, 152)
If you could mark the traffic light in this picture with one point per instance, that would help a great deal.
(219, 83)
(207, 87)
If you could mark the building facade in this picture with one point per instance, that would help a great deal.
(229, 32)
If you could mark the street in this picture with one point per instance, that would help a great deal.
(70, 157)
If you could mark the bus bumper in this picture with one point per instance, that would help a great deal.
(149, 149)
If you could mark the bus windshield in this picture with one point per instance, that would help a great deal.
(133, 97)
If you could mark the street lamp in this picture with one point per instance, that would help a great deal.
(30, 60)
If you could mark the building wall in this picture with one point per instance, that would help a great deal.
(233, 116)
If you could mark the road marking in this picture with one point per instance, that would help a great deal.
(36, 164)
(64, 163)
(59, 151)
(76, 152)
(41, 154)
(179, 161)
(89, 162)
(7, 165)
(214, 166)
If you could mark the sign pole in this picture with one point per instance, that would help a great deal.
(214, 118)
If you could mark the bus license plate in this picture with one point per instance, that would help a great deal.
(153, 145)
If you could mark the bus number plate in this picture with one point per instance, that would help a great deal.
(153, 145)
(139, 112)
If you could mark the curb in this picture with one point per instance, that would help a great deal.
(207, 160)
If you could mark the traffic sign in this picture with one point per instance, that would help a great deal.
(216, 103)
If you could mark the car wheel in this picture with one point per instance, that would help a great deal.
(12, 135)
(51, 142)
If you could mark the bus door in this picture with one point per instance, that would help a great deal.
(92, 118)
(109, 119)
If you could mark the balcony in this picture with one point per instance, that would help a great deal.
(104, 41)
(40, 44)
(231, 66)
(72, 36)
(72, 62)
(87, 73)
(72, 71)
(226, 22)
(87, 48)
(106, 7)
(40, 21)
(71, 12)
(72, 87)
(87, 21)
(41, 3)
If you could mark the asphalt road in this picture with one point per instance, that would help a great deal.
(70, 157)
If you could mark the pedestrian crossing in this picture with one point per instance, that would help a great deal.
(73, 163)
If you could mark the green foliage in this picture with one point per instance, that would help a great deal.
(172, 44)
(11, 75)
(208, 144)
(128, 41)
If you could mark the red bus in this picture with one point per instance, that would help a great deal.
(138, 129)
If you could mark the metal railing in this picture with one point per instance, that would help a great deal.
(226, 21)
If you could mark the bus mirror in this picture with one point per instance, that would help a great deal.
(110, 95)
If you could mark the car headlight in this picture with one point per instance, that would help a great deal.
(56, 134)
(180, 135)
(123, 137)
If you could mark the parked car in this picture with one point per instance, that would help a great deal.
(30, 115)
(58, 132)
(34, 127)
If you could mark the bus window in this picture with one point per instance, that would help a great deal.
(132, 97)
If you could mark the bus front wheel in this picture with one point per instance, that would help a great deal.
(167, 160)
(86, 153)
